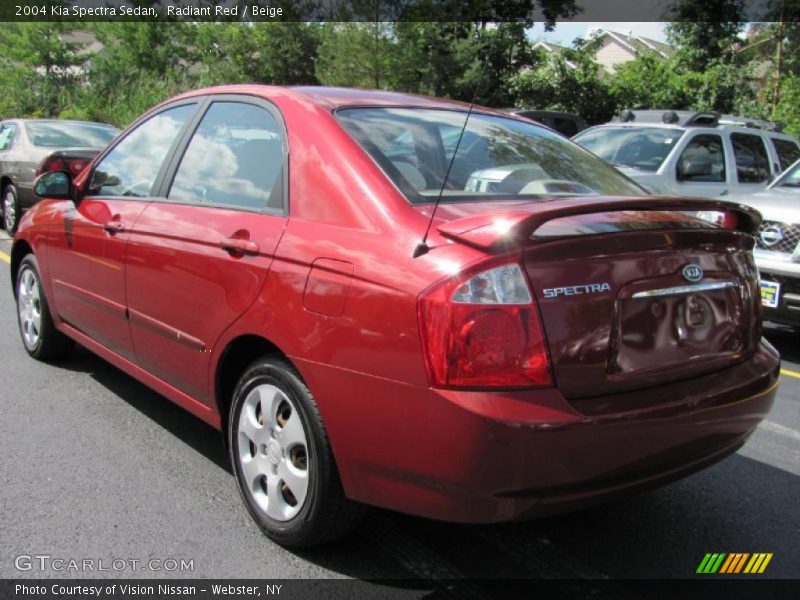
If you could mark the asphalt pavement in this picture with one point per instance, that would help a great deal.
(97, 466)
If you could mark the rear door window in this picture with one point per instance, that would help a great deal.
(234, 159)
(752, 163)
(703, 159)
(788, 152)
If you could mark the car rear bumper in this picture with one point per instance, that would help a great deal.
(489, 457)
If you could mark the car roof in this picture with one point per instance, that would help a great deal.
(339, 97)
(714, 128)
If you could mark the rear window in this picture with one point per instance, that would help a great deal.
(498, 158)
(787, 151)
(642, 148)
(790, 178)
(66, 134)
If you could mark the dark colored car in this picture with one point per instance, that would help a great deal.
(564, 123)
(28, 147)
(254, 254)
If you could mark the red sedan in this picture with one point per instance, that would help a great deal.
(255, 254)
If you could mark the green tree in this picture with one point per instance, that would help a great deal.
(705, 31)
(570, 82)
(40, 63)
(274, 53)
(132, 49)
(357, 55)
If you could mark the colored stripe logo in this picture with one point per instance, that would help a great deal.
(734, 563)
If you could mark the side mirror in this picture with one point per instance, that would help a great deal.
(694, 168)
(54, 184)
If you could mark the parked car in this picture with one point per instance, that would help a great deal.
(29, 147)
(777, 250)
(693, 153)
(255, 255)
(564, 123)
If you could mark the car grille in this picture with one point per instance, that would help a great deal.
(778, 237)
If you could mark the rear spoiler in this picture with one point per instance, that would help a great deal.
(492, 230)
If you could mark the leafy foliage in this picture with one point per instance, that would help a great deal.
(48, 69)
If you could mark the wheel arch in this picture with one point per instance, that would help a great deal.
(19, 250)
(234, 359)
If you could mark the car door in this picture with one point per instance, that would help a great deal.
(86, 253)
(701, 167)
(752, 162)
(198, 257)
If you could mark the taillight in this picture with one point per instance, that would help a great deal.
(51, 163)
(76, 165)
(483, 330)
(58, 163)
(722, 218)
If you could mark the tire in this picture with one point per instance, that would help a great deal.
(10, 209)
(278, 461)
(39, 335)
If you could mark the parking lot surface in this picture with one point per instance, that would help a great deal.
(95, 465)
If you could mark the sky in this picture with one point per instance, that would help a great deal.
(564, 33)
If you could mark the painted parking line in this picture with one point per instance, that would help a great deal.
(5, 257)
(780, 429)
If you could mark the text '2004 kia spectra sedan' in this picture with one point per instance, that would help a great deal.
(253, 254)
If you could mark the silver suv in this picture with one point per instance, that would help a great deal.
(777, 250)
(686, 153)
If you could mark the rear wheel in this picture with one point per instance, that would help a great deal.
(39, 335)
(10, 209)
(282, 458)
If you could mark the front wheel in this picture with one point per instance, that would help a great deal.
(39, 335)
(282, 458)
(10, 209)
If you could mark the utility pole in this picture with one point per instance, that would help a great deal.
(776, 94)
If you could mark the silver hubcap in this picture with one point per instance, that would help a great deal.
(29, 308)
(273, 452)
(9, 209)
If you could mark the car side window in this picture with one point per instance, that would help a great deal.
(788, 152)
(6, 136)
(131, 167)
(234, 159)
(703, 159)
(752, 164)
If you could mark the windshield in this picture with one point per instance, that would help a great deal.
(70, 134)
(498, 158)
(791, 178)
(643, 148)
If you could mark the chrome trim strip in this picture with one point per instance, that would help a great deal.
(687, 289)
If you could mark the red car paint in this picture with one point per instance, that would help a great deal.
(167, 291)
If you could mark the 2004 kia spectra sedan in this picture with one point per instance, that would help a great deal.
(254, 254)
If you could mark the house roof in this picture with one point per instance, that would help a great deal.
(636, 44)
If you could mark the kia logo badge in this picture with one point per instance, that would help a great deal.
(692, 273)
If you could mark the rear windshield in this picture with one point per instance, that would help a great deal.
(66, 134)
(497, 159)
(643, 148)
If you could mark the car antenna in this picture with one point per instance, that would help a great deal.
(423, 248)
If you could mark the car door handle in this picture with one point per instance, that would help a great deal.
(114, 227)
(240, 246)
(723, 193)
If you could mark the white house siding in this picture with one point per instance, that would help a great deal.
(612, 53)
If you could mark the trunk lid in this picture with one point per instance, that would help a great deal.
(631, 293)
